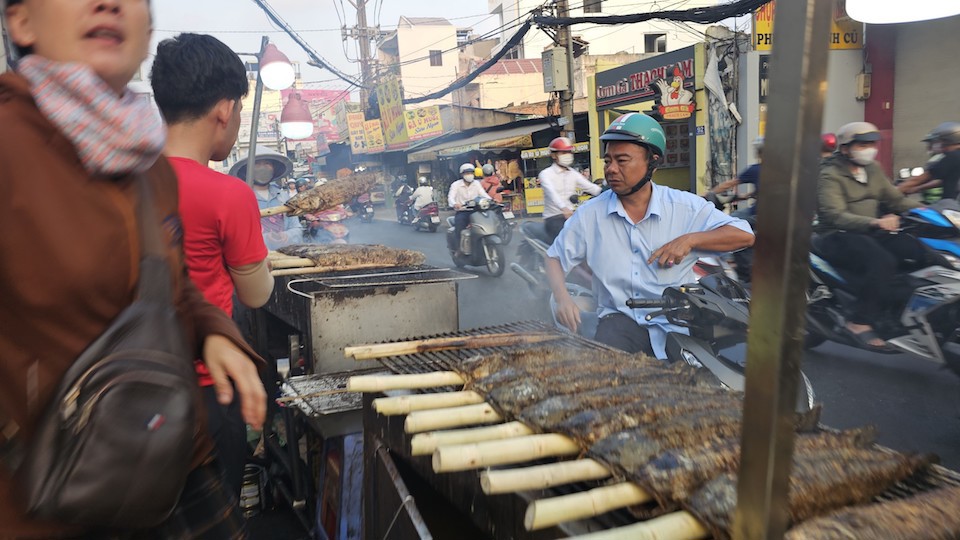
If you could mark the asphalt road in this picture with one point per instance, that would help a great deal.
(914, 404)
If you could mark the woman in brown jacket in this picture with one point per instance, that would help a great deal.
(72, 140)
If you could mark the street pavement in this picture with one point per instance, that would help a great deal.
(914, 404)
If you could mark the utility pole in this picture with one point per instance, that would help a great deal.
(565, 40)
(363, 35)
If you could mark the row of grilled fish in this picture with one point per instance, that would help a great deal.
(673, 431)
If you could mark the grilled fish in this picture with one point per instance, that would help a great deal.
(929, 516)
(675, 474)
(345, 255)
(330, 194)
(538, 360)
(820, 482)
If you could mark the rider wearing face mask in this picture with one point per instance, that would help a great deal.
(943, 168)
(461, 191)
(559, 183)
(856, 238)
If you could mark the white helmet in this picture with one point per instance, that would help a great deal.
(466, 167)
(422, 180)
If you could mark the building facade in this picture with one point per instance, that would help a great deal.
(423, 52)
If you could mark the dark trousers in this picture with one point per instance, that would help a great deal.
(622, 332)
(553, 225)
(871, 262)
(229, 433)
(460, 222)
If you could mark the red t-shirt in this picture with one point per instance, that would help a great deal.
(221, 229)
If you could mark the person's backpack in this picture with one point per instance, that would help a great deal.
(114, 446)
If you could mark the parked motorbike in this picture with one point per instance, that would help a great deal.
(479, 243)
(716, 312)
(926, 326)
(362, 206)
(327, 227)
(428, 218)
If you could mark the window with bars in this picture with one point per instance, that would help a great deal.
(591, 6)
(436, 58)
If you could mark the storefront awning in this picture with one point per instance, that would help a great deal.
(504, 139)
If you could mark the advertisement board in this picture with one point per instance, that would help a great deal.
(392, 115)
(423, 123)
(358, 137)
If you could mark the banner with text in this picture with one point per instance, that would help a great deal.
(845, 33)
(424, 123)
(358, 138)
(391, 114)
(373, 135)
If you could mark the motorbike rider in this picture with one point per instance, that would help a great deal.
(750, 175)
(303, 184)
(462, 191)
(402, 196)
(943, 168)
(638, 238)
(422, 195)
(490, 182)
(559, 182)
(850, 191)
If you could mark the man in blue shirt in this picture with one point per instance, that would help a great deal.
(638, 238)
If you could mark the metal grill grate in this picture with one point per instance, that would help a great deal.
(323, 394)
(378, 277)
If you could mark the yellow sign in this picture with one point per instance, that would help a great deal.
(373, 135)
(845, 33)
(423, 123)
(358, 139)
(391, 114)
(534, 199)
(535, 153)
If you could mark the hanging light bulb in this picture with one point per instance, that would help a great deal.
(275, 69)
(296, 122)
(899, 11)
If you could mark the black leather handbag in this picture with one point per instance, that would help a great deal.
(113, 449)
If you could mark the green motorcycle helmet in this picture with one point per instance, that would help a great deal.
(637, 128)
(641, 129)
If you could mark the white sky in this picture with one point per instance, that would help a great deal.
(241, 24)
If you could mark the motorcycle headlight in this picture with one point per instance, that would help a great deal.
(484, 204)
(953, 216)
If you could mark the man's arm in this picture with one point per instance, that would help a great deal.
(832, 208)
(254, 283)
(588, 186)
(724, 238)
(451, 197)
(729, 184)
(550, 194)
(568, 313)
(894, 199)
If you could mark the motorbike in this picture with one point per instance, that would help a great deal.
(406, 215)
(327, 227)
(926, 326)
(716, 312)
(479, 243)
(428, 218)
(362, 206)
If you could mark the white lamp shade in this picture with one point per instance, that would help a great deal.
(898, 11)
(276, 72)
(296, 130)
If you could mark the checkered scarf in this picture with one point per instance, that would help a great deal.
(114, 135)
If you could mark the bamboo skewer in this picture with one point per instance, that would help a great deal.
(423, 444)
(545, 513)
(505, 452)
(322, 269)
(288, 399)
(542, 476)
(452, 417)
(381, 383)
(390, 406)
(291, 262)
(383, 350)
(675, 526)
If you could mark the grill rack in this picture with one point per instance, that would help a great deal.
(306, 387)
(935, 477)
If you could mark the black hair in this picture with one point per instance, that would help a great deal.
(192, 73)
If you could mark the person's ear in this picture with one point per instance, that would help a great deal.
(20, 26)
(223, 111)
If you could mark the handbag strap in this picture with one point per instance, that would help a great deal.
(154, 283)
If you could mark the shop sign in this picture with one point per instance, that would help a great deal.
(423, 123)
(535, 153)
(341, 109)
(373, 136)
(845, 33)
(457, 150)
(358, 144)
(533, 198)
(673, 100)
(392, 114)
(646, 78)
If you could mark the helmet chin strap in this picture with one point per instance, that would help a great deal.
(651, 166)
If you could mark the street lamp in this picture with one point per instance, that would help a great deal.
(275, 72)
(898, 11)
(296, 122)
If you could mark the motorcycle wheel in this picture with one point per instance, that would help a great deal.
(432, 227)
(458, 260)
(495, 259)
(506, 232)
(367, 217)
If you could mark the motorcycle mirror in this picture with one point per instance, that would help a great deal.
(574, 198)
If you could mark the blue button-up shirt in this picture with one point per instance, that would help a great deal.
(616, 249)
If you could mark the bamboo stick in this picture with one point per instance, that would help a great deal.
(382, 350)
(423, 444)
(542, 476)
(545, 513)
(505, 452)
(451, 417)
(291, 262)
(288, 399)
(390, 406)
(675, 526)
(274, 210)
(381, 383)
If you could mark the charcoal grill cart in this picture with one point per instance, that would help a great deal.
(303, 330)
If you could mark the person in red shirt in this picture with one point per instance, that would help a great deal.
(198, 83)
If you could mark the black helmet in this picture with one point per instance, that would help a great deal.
(303, 182)
(947, 132)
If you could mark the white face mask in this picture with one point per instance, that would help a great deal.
(565, 160)
(468, 178)
(863, 157)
